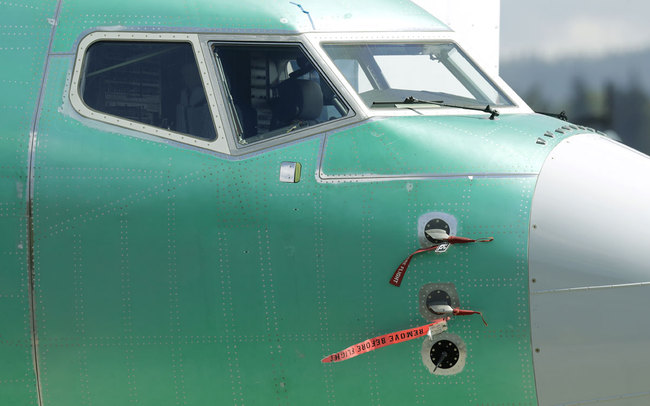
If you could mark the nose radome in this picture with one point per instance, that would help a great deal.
(589, 266)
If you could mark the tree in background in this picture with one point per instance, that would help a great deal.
(630, 114)
(624, 110)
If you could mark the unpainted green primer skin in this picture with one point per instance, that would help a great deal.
(24, 34)
(166, 275)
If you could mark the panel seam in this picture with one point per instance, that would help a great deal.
(590, 288)
(30, 203)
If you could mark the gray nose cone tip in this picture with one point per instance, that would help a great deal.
(589, 255)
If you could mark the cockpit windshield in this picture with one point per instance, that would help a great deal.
(434, 75)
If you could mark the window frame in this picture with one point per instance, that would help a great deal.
(219, 144)
(317, 40)
(227, 107)
(457, 73)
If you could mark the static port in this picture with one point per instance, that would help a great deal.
(444, 354)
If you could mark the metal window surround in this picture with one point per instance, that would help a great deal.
(320, 62)
(316, 40)
(218, 145)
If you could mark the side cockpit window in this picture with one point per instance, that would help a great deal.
(153, 83)
(274, 90)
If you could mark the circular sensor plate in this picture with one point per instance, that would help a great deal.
(447, 351)
(444, 354)
(436, 224)
(436, 293)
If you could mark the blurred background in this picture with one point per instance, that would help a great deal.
(590, 58)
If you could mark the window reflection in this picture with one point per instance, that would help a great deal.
(274, 90)
(153, 83)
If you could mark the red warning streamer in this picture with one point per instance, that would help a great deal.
(380, 342)
(396, 279)
(461, 312)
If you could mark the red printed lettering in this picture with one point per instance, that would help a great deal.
(380, 342)
(396, 279)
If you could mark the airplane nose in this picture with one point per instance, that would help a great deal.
(589, 268)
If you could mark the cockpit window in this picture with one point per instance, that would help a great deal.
(274, 90)
(154, 83)
(434, 75)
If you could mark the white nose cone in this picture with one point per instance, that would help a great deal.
(589, 264)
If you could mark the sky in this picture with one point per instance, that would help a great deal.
(553, 29)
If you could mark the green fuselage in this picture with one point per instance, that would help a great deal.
(138, 270)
